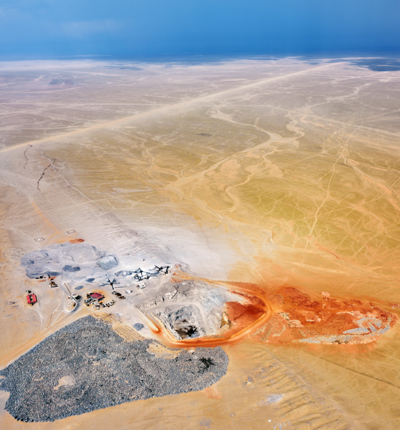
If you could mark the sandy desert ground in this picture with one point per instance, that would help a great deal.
(276, 177)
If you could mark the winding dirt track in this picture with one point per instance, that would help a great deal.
(163, 109)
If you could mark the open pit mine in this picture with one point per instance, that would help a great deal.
(210, 245)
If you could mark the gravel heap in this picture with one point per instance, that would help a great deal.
(75, 262)
(87, 366)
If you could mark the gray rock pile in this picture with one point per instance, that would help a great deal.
(87, 366)
(82, 262)
(76, 261)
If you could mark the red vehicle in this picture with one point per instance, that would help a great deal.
(31, 299)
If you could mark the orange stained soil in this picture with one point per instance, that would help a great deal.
(250, 312)
(298, 317)
(50, 278)
(286, 315)
(212, 392)
(242, 316)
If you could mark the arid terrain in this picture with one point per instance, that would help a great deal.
(249, 206)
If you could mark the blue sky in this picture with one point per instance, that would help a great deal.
(156, 28)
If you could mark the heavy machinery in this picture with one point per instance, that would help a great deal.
(31, 298)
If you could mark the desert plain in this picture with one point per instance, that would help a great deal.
(267, 190)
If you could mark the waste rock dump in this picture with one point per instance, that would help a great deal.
(87, 366)
(79, 262)
(76, 261)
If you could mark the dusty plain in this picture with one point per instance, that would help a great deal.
(276, 177)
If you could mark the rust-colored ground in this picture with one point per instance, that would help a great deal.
(298, 317)
(76, 240)
(286, 314)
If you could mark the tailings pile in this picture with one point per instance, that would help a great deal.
(87, 366)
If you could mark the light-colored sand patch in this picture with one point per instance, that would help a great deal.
(129, 334)
(65, 380)
(162, 352)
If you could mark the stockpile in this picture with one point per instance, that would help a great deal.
(102, 370)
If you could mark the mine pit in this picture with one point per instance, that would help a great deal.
(186, 311)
